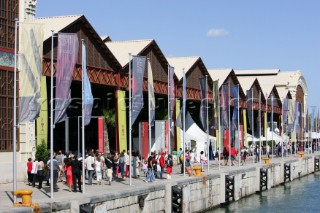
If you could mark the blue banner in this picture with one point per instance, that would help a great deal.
(88, 98)
(235, 92)
(249, 107)
(138, 67)
(204, 101)
(225, 105)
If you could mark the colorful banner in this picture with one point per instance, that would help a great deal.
(42, 120)
(290, 115)
(249, 108)
(225, 105)
(101, 134)
(144, 139)
(160, 136)
(204, 103)
(138, 67)
(167, 136)
(215, 99)
(235, 92)
(265, 123)
(68, 46)
(241, 136)
(285, 111)
(88, 98)
(171, 91)
(151, 98)
(226, 139)
(271, 119)
(297, 117)
(30, 66)
(178, 136)
(244, 113)
(122, 119)
(313, 114)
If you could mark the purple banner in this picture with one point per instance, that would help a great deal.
(215, 96)
(285, 114)
(235, 92)
(88, 98)
(138, 67)
(225, 105)
(249, 108)
(68, 46)
(171, 91)
(204, 101)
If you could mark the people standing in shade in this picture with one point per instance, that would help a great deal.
(161, 164)
(179, 155)
(34, 172)
(115, 162)
(127, 163)
(29, 169)
(225, 155)
(234, 154)
(97, 167)
(76, 167)
(60, 160)
(109, 168)
(89, 162)
(169, 166)
(122, 164)
(40, 172)
(150, 175)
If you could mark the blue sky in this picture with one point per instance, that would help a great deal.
(246, 34)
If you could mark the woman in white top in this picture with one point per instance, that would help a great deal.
(40, 173)
(34, 172)
(98, 169)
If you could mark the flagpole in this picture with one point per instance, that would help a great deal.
(266, 123)
(169, 109)
(282, 132)
(207, 111)
(15, 111)
(239, 126)
(52, 118)
(219, 127)
(130, 127)
(82, 119)
(272, 125)
(229, 125)
(184, 124)
(149, 113)
(252, 125)
(260, 127)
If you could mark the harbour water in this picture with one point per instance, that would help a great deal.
(300, 195)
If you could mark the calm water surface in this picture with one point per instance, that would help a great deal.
(300, 195)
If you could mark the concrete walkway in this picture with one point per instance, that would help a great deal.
(63, 194)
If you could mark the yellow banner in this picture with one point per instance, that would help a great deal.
(42, 120)
(244, 114)
(122, 120)
(177, 128)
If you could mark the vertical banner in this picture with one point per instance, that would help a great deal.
(226, 139)
(285, 110)
(290, 115)
(122, 119)
(101, 134)
(265, 123)
(167, 135)
(151, 98)
(249, 107)
(203, 105)
(144, 139)
(68, 47)
(271, 119)
(138, 67)
(225, 106)
(215, 99)
(30, 67)
(245, 127)
(42, 121)
(87, 94)
(160, 136)
(241, 136)
(171, 91)
(235, 92)
(178, 135)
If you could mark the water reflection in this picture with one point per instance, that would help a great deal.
(301, 195)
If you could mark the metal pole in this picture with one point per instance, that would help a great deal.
(272, 126)
(15, 111)
(239, 160)
(253, 142)
(229, 125)
(169, 116)
(149, 118)
(208, 142)
(184, 126)
(82, 121)
(52, 118)
(219, 127)
(78, 138)
(260, 127)
(130, 127)
(266, 130)
(282, 132)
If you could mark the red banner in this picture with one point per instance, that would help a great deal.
(241, 136)
(100, 135)
(226, 139)
(145, 139)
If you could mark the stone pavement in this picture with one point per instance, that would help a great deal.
(63, 194)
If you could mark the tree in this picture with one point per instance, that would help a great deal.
(42, 151)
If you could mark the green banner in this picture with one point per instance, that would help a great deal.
(42, 120)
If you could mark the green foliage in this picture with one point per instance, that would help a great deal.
(109, 117)
(42, 151)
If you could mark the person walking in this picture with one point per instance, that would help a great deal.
(40, 173)
(97, 167)
(225, 155)
(161, 164)
(150, 175)
(34, 172)
(169, 164)
(68, 172)
(29, 169)
(76, 167)
(89, 162)
(109, 168)
(234, 153)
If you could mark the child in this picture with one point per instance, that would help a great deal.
(169, 166)
(144, 167)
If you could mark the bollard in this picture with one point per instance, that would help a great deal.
(25, 195)
(263, 179)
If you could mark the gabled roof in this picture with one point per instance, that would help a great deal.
(220, 74)
(56, 23)
(246, 82)
(106, 38)
(257, 72)
(282, 91)
(121, 49)
(180, 63)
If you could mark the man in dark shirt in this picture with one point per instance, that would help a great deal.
(150, 174)
(76, 173)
